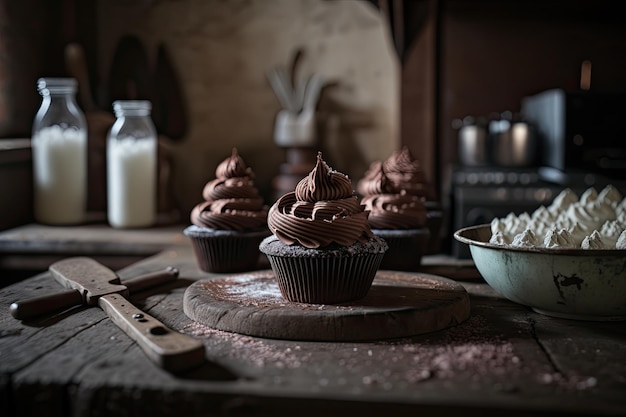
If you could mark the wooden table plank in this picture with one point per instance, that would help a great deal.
(494, 363)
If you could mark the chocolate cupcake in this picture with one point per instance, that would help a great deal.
(406, 173)
(229, 224)
(398, 212)
(322, 250)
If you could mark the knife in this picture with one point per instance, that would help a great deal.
(98, 285)
(37, 306)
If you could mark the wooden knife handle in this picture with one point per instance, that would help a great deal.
(171, 350)
(37, 306)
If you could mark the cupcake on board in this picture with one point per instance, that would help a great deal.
(404, 170)
(322, 249)
(229, 224)
(396, 202)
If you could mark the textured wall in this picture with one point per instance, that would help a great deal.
(222, 50)
(25, 46)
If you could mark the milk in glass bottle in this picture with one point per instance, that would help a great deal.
(59, 146)
(132, 166)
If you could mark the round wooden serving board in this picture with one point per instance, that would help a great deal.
(399, 304)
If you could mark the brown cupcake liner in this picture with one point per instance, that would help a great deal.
(434, 223)
(405, 253)
(227, 253)
(325, 280)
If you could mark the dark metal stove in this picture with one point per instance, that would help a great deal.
(479, 194)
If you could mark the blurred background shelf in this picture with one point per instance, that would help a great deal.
(31, 248)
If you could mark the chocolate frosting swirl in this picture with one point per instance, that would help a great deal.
(406, 173)
(321, 211)
(376, 182)
(232, 202)
(395, 211)
(394, 203)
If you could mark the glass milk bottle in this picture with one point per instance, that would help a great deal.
(59, 146)
(132, 166)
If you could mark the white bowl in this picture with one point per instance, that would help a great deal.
(568, 283)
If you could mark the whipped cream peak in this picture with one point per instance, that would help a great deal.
(578, 233)
(593, 241)
(497, 226)
(525, 239)
(498, 238)
(563, 200)
(610, 231)
(564, 222)
(603, 210)
(559, 238)
(524, 217)
(514, 225)
(611, 195)
(543, 214)
(540, 226)
(588, 196)
(582, 214)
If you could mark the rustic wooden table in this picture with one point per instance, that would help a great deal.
(503, 359)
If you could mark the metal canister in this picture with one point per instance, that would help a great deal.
(473, 149)
(515, 146)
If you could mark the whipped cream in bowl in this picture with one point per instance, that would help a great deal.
(567, 259)
(604, 213)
